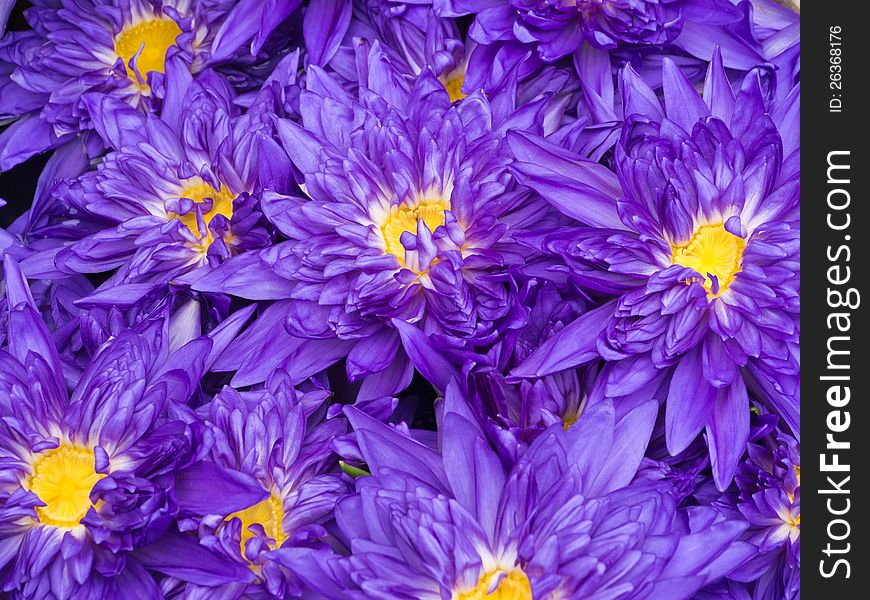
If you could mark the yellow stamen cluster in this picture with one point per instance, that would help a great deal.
(154, 38)
(713, 250)
(221, 204)
(404, 218)
(268, 513)
(513, 585)
(792, 523)
(63, 478)
(454, 87)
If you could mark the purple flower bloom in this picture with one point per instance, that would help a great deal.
(554, 28)
(514, 414)
(561, 26)
(176, 194)
(408, 219)
(697, 235)
(412, 37)
(86, 480)
(769, 498)
(456, 524)
(273, 441)
(117, 47)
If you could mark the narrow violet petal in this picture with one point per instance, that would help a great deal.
(728, 432)
(682, 101)
(181, 556)
(205, 488)
(323, 27)
(425, 356)
(574, 345)
(689, 404)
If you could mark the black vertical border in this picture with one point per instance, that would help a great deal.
(823, 132)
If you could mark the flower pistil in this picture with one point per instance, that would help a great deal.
(715, 253)
(63, 478)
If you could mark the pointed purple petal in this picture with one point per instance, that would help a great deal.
(682, 101)
(574, 345)
(728, 432)
(689, 404)
(425, 357)
(205, 488)
(181, 556)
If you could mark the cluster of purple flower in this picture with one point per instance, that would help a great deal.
(425, 300)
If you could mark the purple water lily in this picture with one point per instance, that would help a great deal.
(86, 482)
(406, 227)
(514, 414)
(117, 47)
(177, 193)
(769, 498)
(420, 527)
(554, 29)
(697, 236)
(412, 36)
(560, 27)
(273, 441)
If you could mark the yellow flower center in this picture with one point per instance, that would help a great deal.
(221, 204)
(715, 251)
(268, 513)
(154, 38)
(454, 87)
(513, 586)
(792, 524)
(790, 494)
(404, 218)
(63, 479)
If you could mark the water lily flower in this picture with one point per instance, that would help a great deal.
(696, 237)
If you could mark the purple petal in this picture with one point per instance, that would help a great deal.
(574, 345)
(384, 447)
(181, 556)
(689, 404)
(625, 453)
(25, 138)
(638, 98)
(324, 26)
(240, 26)
(372, 354)
(701, 40)
(719, 368)
(728, 432)
(425, 357)
(273, 15)
(118, 123)
(474, 470)
(313, 356)
(718, 93)
(579, 188)
(205, 488)
(682, 101)
(392, 380)
(246, 276)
